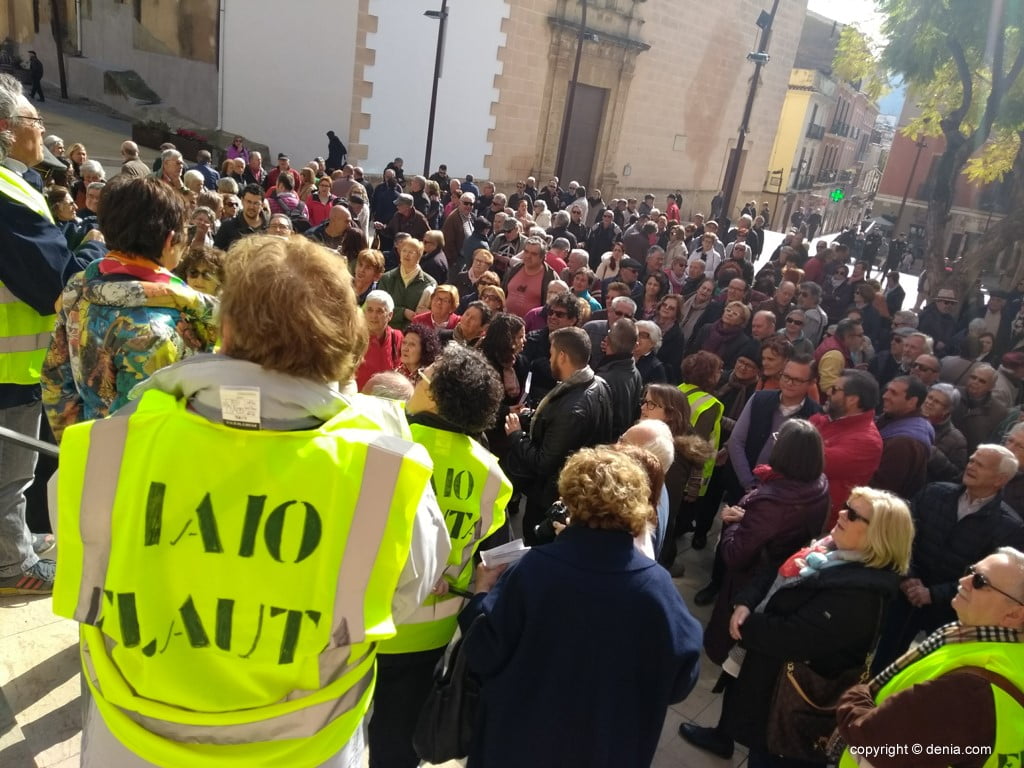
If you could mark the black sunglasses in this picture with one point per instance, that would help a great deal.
(853, 515)
(980, 581)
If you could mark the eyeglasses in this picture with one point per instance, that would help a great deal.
(466, 203)
(980, 581)
(787, 379)
(645, 403)
(230, 205)
(422, 373)
(794, 321)
(835, 388)
(619, 313)
(854, 516)
(921, 367)
(560, 313)
(37, 120)
(202, 273)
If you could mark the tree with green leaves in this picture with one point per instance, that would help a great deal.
(962, 61)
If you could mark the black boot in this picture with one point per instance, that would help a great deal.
(709, 739)
(707, 594)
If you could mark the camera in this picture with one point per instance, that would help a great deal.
(544, 531)
(524, 419)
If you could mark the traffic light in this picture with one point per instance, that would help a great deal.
(837, 195)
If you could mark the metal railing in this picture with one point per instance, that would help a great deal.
(39, 446)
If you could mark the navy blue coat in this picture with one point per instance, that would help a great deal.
(584, 645)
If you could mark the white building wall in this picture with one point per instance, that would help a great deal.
(402, 77)
(286, 73)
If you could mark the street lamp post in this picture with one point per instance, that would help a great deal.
(760, 58)
(570, 95)
(442, 17)
(920, 144)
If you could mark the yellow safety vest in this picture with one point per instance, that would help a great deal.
(24, 333)
(473, 493)
(231, 607)
(700, 401)
(1006, 659)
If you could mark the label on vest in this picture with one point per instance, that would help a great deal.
(240, 407)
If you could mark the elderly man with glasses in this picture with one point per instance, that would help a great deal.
(960, 689)
(37, 263)
(956, 524)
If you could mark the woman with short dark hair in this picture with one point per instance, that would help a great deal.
(126, 315)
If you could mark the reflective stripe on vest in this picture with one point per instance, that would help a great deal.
(473, 493)
(269, 578)
(24, 333)
(1006, 659)
(699, 402)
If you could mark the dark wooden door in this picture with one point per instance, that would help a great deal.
(584, 131)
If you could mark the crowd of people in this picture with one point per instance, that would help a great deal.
(607, 378)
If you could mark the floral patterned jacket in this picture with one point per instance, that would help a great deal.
(118, 322)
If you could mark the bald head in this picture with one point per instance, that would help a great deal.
(338, 220)
(130, 150)
(655, 436)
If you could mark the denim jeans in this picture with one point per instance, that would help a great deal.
(17, 466)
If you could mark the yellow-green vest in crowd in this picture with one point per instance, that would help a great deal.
(24, 333)
(700, 401)
(1006, 659)
(472, 492)
(232, 585)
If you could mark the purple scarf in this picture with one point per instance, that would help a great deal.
(720, 335)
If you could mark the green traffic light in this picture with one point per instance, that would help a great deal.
(837, 195)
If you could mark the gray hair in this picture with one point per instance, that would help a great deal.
(193, 175)
(170, 154)
(383, 297)
(652, 330)
(812, 288)
(928, 342)
(92, 166)
(1008, 464)
(905, 317)
(281, 217)
(51, 140)
(579, 253)
(977, 326)
(227, 185)
(1018, 427)
(619, 300)
(96, 185)
(540, 204)
(390, 385)
(12, 94)
(952, 394)
(655, 436)
(559, 219)
(1016, 558)
(559, 284)
(537, 242)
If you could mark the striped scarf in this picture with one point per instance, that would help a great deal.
(954, 632)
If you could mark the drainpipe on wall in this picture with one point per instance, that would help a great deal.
(220, 65)
(78, 26)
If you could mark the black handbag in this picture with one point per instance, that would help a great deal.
(803, 711)
(444, 730)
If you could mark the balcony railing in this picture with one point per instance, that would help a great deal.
(826, 175)
(840, 129)
(815, 131)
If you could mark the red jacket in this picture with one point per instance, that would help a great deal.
(853, 451)
(381, 355)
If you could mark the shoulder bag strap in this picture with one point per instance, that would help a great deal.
(998, 680)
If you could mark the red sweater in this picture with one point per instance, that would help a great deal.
(381, 355)
(853, 450)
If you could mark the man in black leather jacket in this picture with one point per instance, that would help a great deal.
(576, 414)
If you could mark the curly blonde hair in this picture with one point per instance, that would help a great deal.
(605, 488)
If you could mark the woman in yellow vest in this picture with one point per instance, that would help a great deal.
(455, 400)
(701, 373)
(234, 618)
